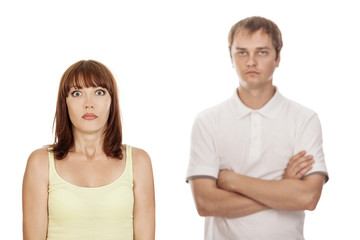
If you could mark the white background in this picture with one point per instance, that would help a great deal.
(171, 61)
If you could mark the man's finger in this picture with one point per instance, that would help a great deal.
(304, 171)
(296, 158)
(298, 155)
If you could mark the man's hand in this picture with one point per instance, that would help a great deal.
(292, 193)
(298, 166)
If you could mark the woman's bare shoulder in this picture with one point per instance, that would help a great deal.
(39, 155)
(140, 156)
(141, 161)
(38, 161)
(143, 175)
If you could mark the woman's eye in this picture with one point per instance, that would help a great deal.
(100, 92)
(76, 93)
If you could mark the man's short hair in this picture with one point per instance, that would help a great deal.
(252, 25)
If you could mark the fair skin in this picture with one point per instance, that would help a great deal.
(235, 195)
(253, 57)
(213, 200)
(86, 165)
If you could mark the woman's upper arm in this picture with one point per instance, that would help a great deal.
(144, 205)
(35, 195)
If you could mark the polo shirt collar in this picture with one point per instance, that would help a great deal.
(269, 110)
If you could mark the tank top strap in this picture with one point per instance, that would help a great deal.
(129, 164)
(51, 164)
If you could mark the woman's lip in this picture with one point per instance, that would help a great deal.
(89, 116)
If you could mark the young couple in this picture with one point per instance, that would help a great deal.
(256, 160)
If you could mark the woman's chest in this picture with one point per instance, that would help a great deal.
(93, 173)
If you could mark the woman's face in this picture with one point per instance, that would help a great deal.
(88, 109)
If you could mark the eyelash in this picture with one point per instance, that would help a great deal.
(102, 92)
(75, 93)
(260, 53)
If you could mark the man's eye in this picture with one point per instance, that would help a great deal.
(100, 92)
(242, 53)
(76, 93)
(262, 52)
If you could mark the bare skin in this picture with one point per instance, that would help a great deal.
(35, 196)
(254, 59)
(293, 192)
(96, 170)
(286, 194)
(215, 198)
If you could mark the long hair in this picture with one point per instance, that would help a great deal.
(81, 74)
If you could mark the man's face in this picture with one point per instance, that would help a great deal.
(254, 58)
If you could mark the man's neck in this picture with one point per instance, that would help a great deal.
(256, 98)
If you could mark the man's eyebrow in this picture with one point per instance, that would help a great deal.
(262, 48)
(242, 49)
(258, 48)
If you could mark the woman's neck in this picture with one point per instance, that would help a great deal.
(89, 144)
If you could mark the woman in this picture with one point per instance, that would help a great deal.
(88, 185)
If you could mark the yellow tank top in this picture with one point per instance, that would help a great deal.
(80, 213)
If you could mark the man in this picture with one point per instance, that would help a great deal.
(256, 160)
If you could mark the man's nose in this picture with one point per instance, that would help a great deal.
(251, 61)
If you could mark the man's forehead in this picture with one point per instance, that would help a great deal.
(249, 32)
(257, 39)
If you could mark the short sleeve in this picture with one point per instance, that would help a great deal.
(309, 138)
(204, 161)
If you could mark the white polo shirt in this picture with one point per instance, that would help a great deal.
(256, 143)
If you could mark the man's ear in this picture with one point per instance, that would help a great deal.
(232, 62)
(278, 60)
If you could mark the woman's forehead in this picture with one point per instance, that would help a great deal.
(81, 81)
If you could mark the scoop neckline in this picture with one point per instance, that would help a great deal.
(90, 188)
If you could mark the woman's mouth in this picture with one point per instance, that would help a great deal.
(89, 116)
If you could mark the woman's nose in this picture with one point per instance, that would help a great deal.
(88, 103)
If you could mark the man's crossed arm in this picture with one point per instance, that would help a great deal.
(236, 195)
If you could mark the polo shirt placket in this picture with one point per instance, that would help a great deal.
(255, 138)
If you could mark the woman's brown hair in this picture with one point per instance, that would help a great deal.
(87, 73)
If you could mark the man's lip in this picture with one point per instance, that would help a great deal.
(89, 116)
(252, 72)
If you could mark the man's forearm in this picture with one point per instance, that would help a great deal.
(286, 194)
(212, 201)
